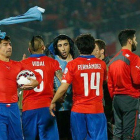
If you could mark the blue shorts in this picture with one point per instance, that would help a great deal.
(38, 123)
(88, 126)
(10, 123)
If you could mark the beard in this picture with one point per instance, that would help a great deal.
(133, 47)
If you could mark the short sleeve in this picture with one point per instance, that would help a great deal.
(68, 74)
(56, 65)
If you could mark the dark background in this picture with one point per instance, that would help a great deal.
(102, 18)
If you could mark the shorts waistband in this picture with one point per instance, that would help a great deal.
(8, 104)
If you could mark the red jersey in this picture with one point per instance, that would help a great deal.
(42, 95)
(124, 74)
(8, 85)
(86, 75)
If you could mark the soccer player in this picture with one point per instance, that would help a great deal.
(124, 85)
(99, 52)
(36, 119)
(64, 51)
(10, 125)
(86, 73)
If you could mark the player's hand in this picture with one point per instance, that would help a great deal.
(52, 108)
(33, 83)
(62, 99)
(24, 56)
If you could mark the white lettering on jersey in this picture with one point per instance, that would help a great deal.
(38, 63)
(92, 82)
(89, 66)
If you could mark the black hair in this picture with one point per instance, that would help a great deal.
(63, 37)
(126, 34)
(101, 44)
(85, 43)
(7, 38)
(32, 42)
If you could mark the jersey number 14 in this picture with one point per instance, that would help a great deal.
(92, 82)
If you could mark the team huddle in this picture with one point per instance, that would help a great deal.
(73, 87)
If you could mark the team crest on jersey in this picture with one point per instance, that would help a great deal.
(66, 70)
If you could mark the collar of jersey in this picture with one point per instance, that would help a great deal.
(87, 56)
(37, 55)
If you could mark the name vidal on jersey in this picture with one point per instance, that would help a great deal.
(89, 66)
(38, 63)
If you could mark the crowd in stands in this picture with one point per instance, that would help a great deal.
(61, 14)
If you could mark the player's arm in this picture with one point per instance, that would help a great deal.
(135, 70)
(110, 85)
(59, 74)
(59, 93)
(24, 56)
(33, 83)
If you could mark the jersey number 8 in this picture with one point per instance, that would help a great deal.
(41, 84)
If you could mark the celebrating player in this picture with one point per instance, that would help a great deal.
(36, 119)
(10, 125)
(86, 73)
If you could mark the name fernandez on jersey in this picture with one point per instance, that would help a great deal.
(38, 63)
(89, 66)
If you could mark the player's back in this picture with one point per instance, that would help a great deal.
(42, 95)
(123, 73)
(88, 75)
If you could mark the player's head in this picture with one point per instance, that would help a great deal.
(63, 46)
(36, 45)
(7, 38)
(5, 47)
(127, 37)
(99, 50)
(85, 43)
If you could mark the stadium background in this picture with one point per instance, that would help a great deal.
(102, 18)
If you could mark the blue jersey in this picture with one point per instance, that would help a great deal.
(68, 99)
